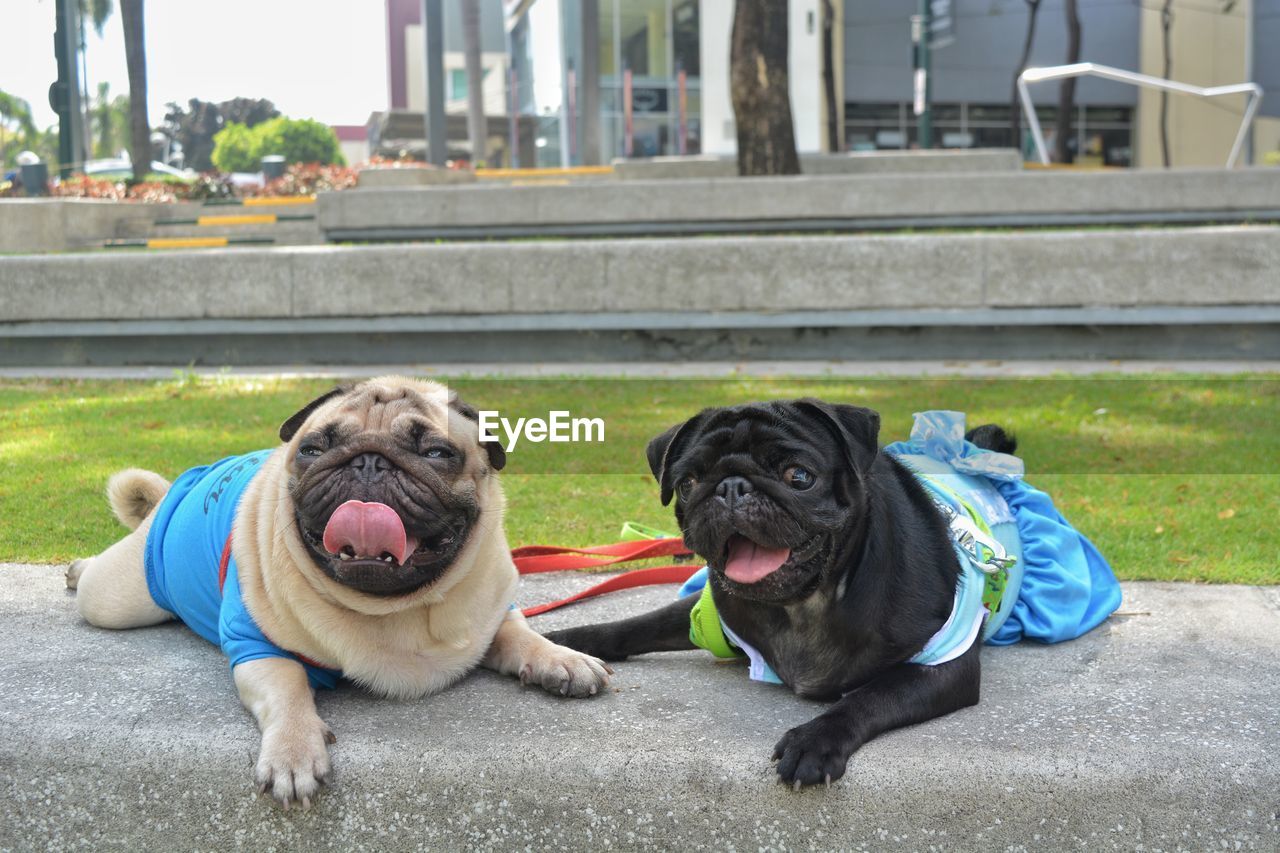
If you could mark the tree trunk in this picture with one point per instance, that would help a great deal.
(834, 136)
(135, 52)
(761, 95)
(1067, 94)
(1166, 25)
(477, 131)
(1015, 103)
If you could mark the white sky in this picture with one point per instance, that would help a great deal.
(321, 59)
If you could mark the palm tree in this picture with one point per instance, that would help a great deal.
(17, 130)
(131, 13)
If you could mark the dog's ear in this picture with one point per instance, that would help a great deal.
(856, 428)
(664, 450)
(290, 428)
(497, 456)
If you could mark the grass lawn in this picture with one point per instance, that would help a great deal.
(1174, 478)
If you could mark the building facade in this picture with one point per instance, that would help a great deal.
(576, 82)
(658, 70)
(1115, 124)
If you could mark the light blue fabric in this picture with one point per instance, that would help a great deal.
(182, 556)
(1067, 588)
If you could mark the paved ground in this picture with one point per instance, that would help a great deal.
(682, 370)
(1159, 731)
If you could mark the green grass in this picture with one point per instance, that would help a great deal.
(1174, 478)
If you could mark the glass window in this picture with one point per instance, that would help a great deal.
(684, 16)
(644, 37)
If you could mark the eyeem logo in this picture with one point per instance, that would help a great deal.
(558, 427)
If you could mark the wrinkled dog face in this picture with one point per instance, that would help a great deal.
(767, 492)
(384, 478)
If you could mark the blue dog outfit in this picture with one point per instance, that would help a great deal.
(1025, 572)
(190, 569)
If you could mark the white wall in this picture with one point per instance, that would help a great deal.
(495, 78)
(715, 22)
(804, 45)
(719, 135)
(355, 151)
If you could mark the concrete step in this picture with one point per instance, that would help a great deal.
(1166, 293)
(820, 203)
(283, 232)
(1159, 730)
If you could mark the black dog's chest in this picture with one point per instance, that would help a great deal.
(803, 650)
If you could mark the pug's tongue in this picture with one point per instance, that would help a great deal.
(370, 529)
(749, 562)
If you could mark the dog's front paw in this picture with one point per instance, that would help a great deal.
(564, 671)
(294, 761)
(814, 752)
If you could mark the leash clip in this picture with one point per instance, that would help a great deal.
(983, 551)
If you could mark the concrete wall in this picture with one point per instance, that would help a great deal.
(56, 225)
(805, 197)
(979, 66)
(715, 22)
(852, 163)
(1208, 49)
(1178, 267)
(1266, 56)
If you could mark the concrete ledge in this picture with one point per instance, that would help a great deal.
(412, 176)
(1169, 267)
(56, 225)
(1157, 730)
(833, 202)
(853, 163)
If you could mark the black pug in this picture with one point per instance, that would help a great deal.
(826, 555)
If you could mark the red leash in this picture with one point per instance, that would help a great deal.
(532, 559)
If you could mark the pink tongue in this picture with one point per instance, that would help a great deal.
(370, 530)
(749, 562)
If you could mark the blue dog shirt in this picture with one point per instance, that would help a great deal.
(185, 548)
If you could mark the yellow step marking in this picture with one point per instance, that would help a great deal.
(238, 219)
(271, 202)
(186, 243)
(544, 173)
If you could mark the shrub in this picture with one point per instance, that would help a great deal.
(235, 149)
(299, 141)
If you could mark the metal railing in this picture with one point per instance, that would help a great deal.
(1091, 69)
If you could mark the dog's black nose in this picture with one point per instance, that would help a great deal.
(732, 489)
(370, 466)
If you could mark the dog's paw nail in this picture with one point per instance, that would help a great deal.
(306, 803)
(330, 737)
(796, 787)
(828, 780)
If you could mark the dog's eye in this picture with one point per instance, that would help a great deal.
(685, 488)
(797, 478)
(438, 452)
(309, 450)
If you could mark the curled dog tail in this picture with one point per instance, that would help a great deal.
(133, 493)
